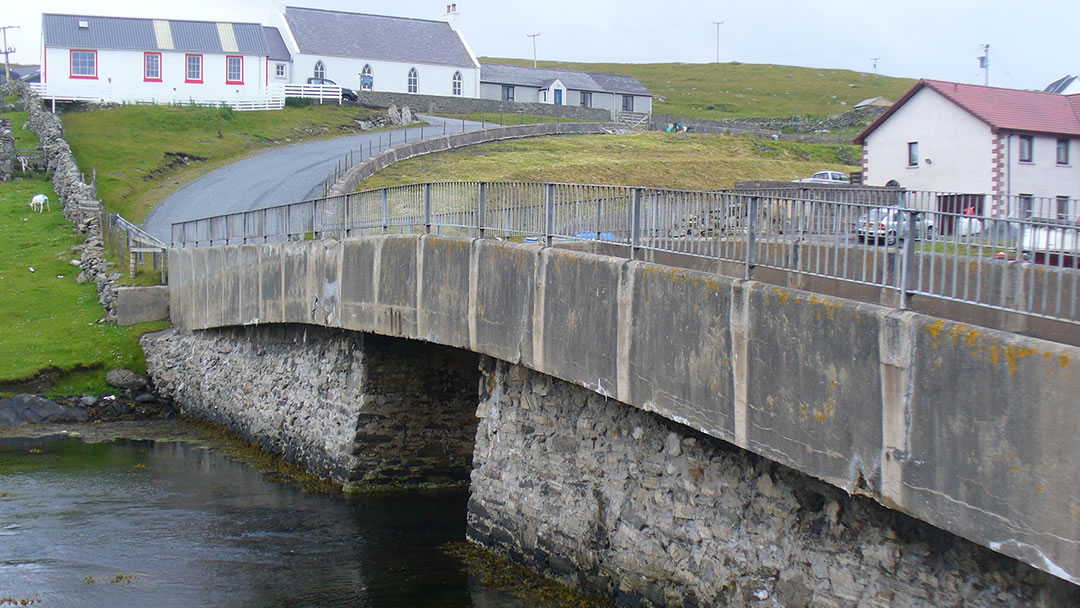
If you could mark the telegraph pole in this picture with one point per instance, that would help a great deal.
(875, 60)
(984, 63)
(7, 51)
(718, 24)
(533, 36)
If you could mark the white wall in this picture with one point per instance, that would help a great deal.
(388, 75)
(955, 148)
(120, 78)
(1043, 176)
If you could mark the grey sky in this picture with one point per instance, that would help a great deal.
(1031, 42)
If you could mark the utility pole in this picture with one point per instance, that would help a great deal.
(984, 63)
(718, 24)
(875, 60)
(7, 51)
(533, 36)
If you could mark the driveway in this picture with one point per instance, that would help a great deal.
(279, 175)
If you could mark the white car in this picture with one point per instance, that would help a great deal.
(826, 177)
(891, 223)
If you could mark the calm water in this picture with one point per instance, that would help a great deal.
(139, 523)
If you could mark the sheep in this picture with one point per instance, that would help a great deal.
(39, 203)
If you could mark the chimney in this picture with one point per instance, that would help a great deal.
(452, 16)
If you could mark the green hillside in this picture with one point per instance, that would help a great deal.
(717, 91)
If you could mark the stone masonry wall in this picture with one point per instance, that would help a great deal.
(630, 505)
(431, 104)
(358, 409)
(7, 150)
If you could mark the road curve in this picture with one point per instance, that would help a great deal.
(279, 175)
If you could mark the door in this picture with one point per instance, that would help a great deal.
(558, 97)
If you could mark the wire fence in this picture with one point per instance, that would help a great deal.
(1018, 254)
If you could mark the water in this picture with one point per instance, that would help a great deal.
(143, 523)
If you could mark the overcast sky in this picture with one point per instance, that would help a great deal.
(1032, 42)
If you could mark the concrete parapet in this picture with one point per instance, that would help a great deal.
(141, 304)
(969, 429)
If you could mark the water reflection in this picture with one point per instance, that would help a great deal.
(138, 523)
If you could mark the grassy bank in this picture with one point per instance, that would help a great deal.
(143, 153)
(686, 161)
(50, 321)
(730, 90)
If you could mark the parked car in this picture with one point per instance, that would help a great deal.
(346, 94)
(891, 224)
(826, 177)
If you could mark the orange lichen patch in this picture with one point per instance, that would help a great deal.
(783, 296)
(1076, 511)
(1014, 353)
(934, 329)
(821, 414)
(1064, 361)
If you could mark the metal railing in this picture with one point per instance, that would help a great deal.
(131, 243)
(942, 245)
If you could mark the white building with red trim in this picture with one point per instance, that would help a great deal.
(128, 60)
(1005, 152)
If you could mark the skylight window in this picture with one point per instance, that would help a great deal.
(84, 24)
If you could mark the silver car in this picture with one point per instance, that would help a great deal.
(891, 224)
(826, 177)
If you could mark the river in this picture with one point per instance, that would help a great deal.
(162, 523)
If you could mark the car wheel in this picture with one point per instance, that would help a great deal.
(860, 238)
(891, 238)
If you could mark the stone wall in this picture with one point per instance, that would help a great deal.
(7, 150)
(627, 504)
(436, 104)
(356, 408)
(68, 183)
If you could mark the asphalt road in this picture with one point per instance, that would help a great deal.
(279, 175)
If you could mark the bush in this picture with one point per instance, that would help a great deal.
(297, 102)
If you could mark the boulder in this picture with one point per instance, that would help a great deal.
(22, 409)
(124, 378)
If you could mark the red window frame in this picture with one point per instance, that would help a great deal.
(71, 59)
(202, 68)
(227, 58)
(159, 70)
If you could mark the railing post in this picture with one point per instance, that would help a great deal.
(385, 212)
(549, 213)
(345, 211)
(245, 239)
(427, 208)
(288, 224)
(314, 214)
(635, 224)
(751, 236)
(481, 201)
(907, 259)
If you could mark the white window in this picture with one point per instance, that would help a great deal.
(628, 103)
(234, 69)
(1027, 148)
(83, 64)
(508, 92)
(913, 154)
(152, 67)
(414, 81)
(1062, 151)
(367, 78)
(320, 69)
(457, 83)
(586, 99)
(194, 68)
(279, 70)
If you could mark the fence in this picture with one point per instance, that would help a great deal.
(129, 242)
(875, 237)
(322, 92)
(271, 98)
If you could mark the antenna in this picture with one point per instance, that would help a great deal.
(875, 60)
(533, 36)
(718, 24)
(984, 63)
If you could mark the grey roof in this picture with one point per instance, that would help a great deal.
(1060, 84)
(339, 34)
(139, 34)
(276, 45)
(499, 73)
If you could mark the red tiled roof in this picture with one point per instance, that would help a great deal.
(1008, 109)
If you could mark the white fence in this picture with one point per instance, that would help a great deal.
(272, 98)
(322, 92)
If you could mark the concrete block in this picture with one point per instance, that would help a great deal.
(396, 286)
(249, 284)
(141, 304)
(295, 296)
(443, 267)
(503, 307)
(271, 304)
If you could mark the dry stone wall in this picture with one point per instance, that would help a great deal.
(7, 150)
(630, 505)
(359, 409)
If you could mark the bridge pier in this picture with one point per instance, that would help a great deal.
(630, 505)
(356, 408)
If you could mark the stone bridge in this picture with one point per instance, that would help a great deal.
(651, 433)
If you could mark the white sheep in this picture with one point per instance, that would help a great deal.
(39, 203)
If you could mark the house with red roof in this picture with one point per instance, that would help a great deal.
(990, 151)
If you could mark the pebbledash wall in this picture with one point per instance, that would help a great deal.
(861, 396)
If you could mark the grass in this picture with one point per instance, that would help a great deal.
(717, 91)
(143, 153)
(24, 139)
(663, 160)
(508, 119)
(49, 320)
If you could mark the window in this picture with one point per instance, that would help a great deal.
(320, 69)
(1027, 146)
(508, 92)
(586, 99)
(1063, 151)
(457, 83)
(913, 154)
(1062, 207)
(234, 69)
(367, 79)
(83, 64)
(193, 72)
(279, 70)
(1026, 206)
(628, 103)
(152, 67)
(414, 80)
